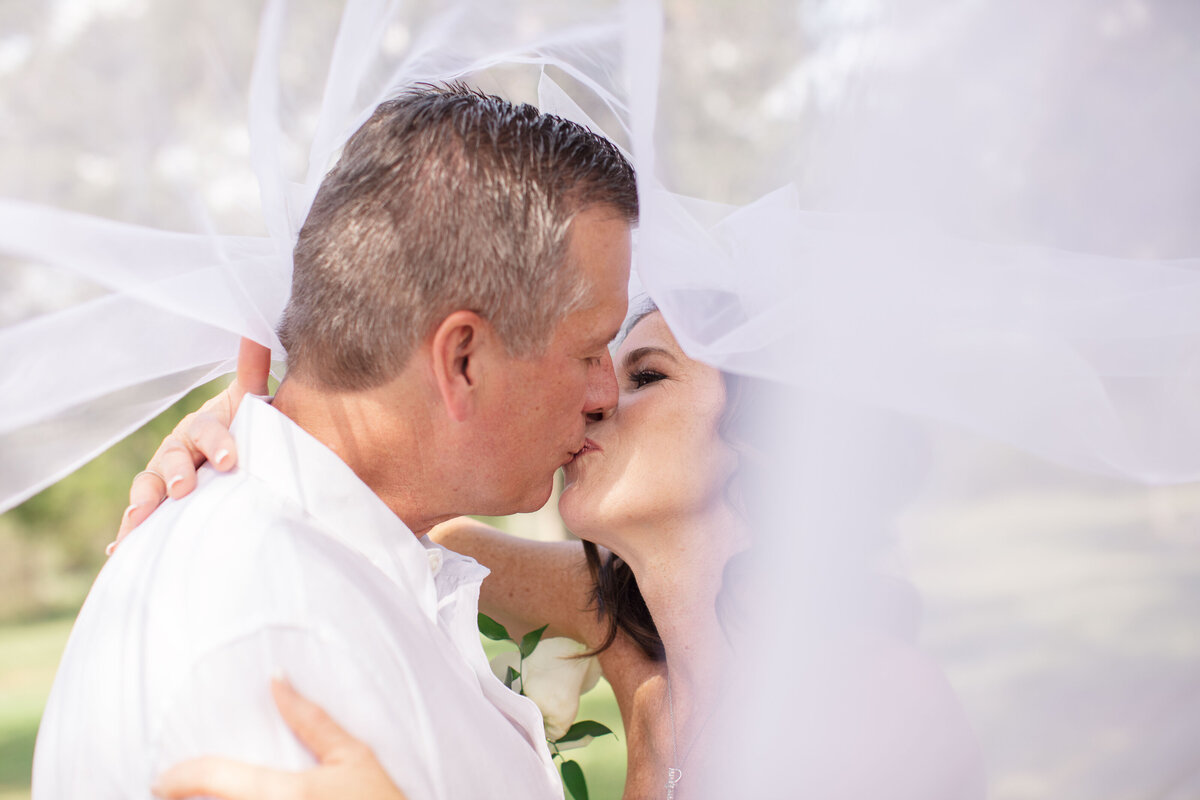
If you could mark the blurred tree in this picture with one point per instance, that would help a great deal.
(52, 545)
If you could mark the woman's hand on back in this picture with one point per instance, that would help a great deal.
(201, 436)
(347, 767)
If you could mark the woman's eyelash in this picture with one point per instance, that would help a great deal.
(643, 377)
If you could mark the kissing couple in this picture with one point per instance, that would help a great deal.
(457, 284)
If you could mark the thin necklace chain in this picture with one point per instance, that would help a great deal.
(673, 773)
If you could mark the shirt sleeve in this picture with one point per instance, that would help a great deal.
(224, 707)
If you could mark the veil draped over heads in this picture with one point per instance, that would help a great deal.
(965, 244)
(959, 238)
(151, 313)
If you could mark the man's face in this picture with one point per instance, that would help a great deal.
(538, 421)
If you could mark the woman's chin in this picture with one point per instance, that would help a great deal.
(580, 517)
(568, 508)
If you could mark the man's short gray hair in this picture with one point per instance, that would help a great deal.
(445, 199)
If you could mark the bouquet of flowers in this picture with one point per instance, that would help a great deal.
(553, 673)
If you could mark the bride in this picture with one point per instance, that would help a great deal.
(659, 496)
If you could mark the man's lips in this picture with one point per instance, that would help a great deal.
(588, 447)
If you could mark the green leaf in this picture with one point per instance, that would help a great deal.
(583, 728)
(510, 677)
(573, 779)
(492, 629)
(530, 641)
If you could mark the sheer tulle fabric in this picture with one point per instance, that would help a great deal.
(183, 299)
(982, 251)
(962, 241)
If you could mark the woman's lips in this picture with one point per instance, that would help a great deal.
(588, 447)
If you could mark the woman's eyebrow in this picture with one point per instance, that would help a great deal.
(633, 356)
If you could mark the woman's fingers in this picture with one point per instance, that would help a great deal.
(201, 436)
(206, 437)
(253, 366)
(176, 461)
(232, 780)
(149, 488)
(347, 767)
(312, 726)
(147, 491)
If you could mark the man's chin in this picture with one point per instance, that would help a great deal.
(535, 500)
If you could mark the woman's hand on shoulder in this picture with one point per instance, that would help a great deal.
(347, 767)
(201, 436)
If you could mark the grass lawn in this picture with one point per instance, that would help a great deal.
(603, 760)
(29, 655)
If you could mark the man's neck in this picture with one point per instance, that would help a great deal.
(378, 434)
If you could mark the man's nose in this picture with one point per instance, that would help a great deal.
(602, 390)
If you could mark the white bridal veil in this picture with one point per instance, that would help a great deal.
(962, 234)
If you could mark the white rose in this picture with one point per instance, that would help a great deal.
(553, 679)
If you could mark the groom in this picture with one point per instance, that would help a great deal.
(456, 284)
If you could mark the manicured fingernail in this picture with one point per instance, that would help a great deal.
(108, 551)
(220, 457)
(171, 483)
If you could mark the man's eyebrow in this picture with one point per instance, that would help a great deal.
(633, 356)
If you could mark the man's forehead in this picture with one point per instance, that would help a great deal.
(601, 242)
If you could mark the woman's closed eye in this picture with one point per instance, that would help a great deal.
(643, 377)
(639, 365)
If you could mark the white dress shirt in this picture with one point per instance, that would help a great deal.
(289, 564)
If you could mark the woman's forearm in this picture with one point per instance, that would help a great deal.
(532, 583)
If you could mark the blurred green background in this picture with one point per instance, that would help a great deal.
(51, 548)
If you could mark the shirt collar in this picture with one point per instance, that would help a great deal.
(275, 450)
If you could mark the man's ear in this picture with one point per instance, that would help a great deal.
(460, 344)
